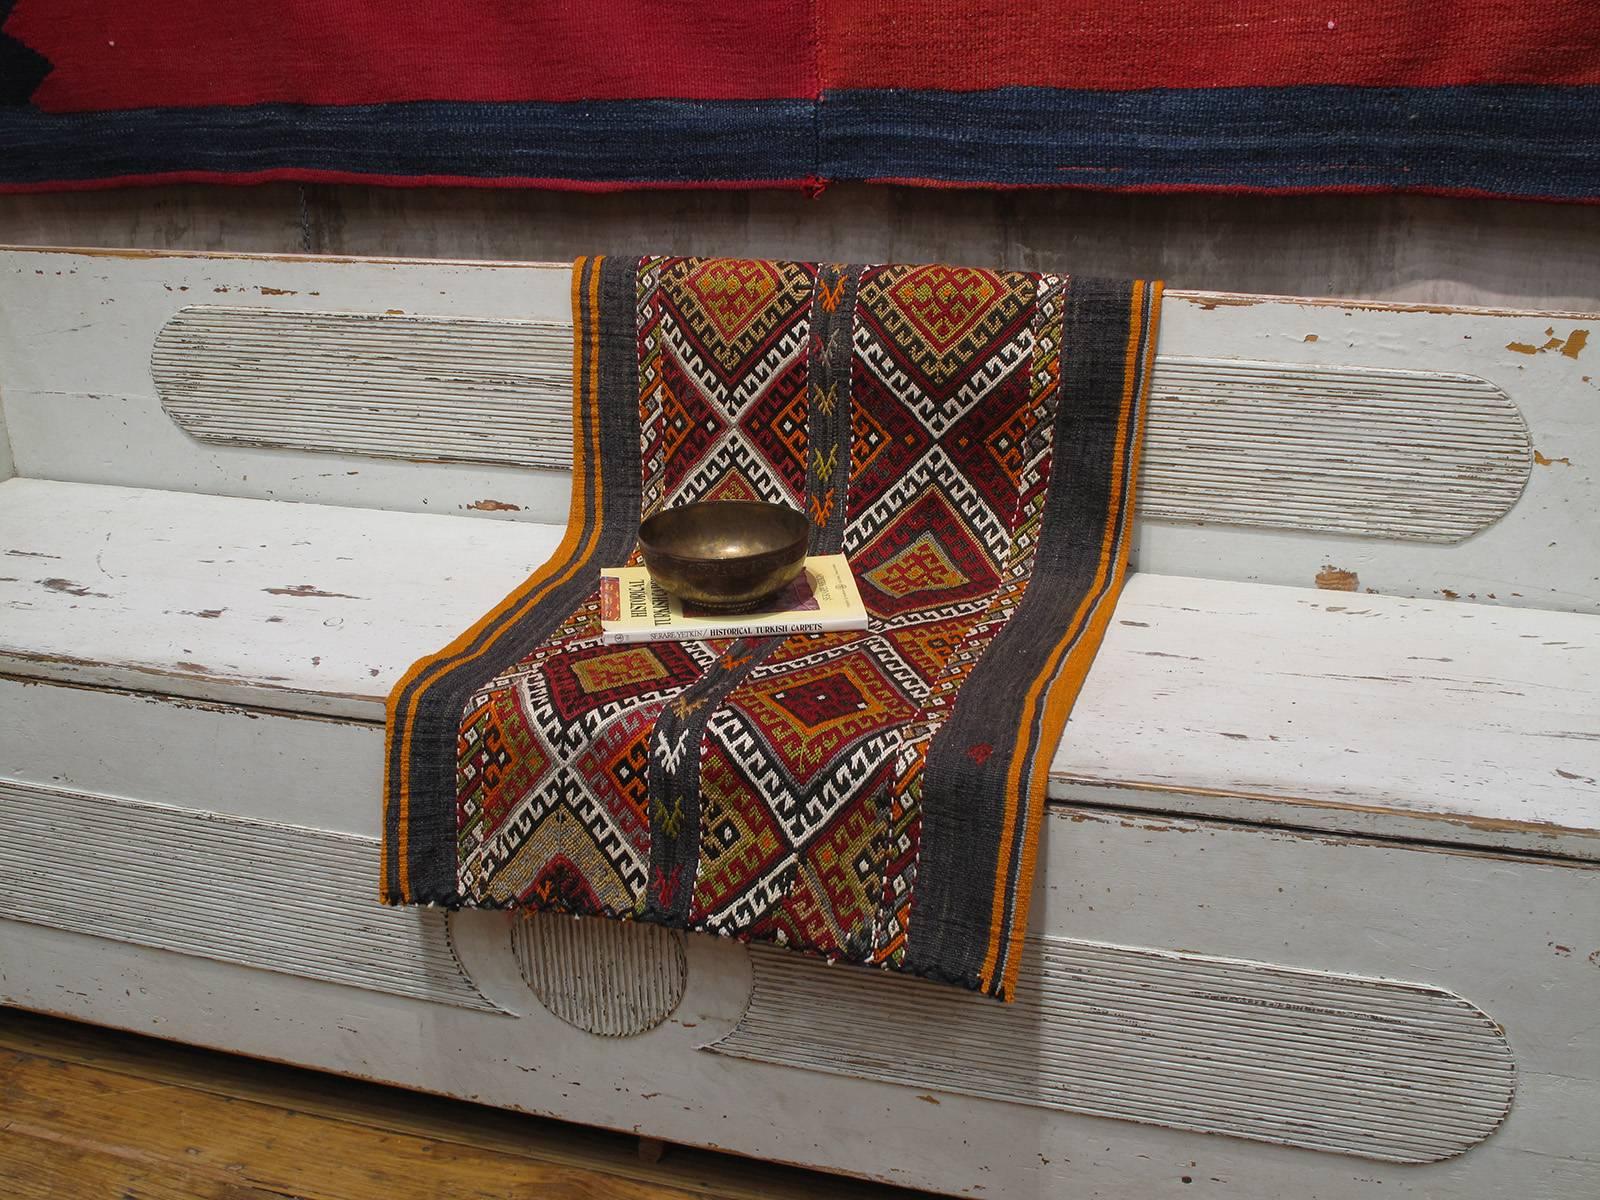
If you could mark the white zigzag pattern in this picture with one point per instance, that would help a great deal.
(564, 788)
(778, 358)
(983, 380)
(933, 468)
(877, 647)
(650, 414)
(800, 819)
(744, 746)
(568, 741)
(752, 904)
(921, 615)
(732, 450)
(883, 651)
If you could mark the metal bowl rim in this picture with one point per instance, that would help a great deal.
(797, 543)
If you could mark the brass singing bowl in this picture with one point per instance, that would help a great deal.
(727, 555)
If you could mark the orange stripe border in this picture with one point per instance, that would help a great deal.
(576, 549)
(1058, 685)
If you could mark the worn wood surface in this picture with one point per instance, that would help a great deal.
(1467, 878)
(1344, 712)
(1421, 248)
(1303, 1058)
(608, 978)
(316, 603)
(1404, 454)
(37, 1168)
(99, 741)
(201, 894)
(1365, 714)
(1512, 936)
(95, 1115)
(77, 332)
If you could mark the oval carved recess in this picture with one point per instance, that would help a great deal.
(610, 978)
(1375, 452)
(1400, 1072)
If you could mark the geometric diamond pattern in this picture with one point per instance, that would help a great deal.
(925, 556)
(723, 346)
(809, 767)
(937, 320)
(811, 713)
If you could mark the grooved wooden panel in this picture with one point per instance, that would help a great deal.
(279, 897)
(451, 389)
(1401, 1072)
(1419, 455)
(612, 978)
(1414, 455)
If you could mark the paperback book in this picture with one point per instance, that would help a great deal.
(822, 599)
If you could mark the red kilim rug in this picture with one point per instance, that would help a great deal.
(970, 439)
(1469, 98)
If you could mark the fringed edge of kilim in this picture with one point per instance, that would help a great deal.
(424, 708)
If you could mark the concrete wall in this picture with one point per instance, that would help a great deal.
(1374, 247)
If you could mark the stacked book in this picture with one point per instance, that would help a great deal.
(822, 599)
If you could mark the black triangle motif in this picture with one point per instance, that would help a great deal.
(22, 69)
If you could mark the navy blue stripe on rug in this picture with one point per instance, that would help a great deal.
(1504, 140)
(1509, 140)
(654, 141)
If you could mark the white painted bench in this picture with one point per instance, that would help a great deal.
(1322, 874)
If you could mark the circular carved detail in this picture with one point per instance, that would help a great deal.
(611, 978)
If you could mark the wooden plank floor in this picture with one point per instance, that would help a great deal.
(88, 1113)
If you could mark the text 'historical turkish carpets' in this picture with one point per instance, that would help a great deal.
(970, 439)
